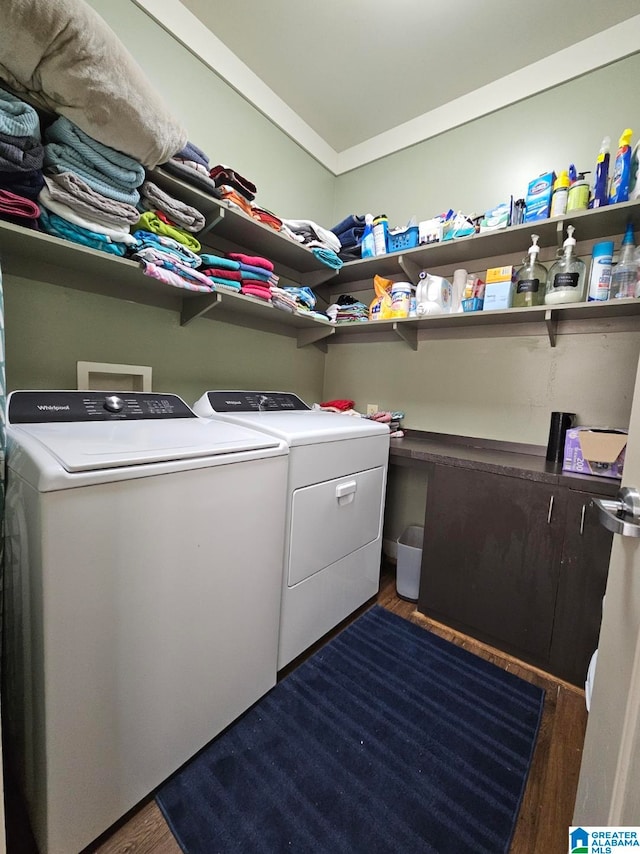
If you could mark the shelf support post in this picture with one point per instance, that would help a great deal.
(408, 333)
(315, 336)
(410, 268)
(197, 306)
(551, 323)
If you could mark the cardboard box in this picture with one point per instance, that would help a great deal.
(500, 274)
(590, 450)
(538, 201)
(497, 295)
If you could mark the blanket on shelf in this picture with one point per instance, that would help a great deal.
(61, 56)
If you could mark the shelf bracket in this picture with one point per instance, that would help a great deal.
(319, 277)
(407, 333)
(410, 268)
(197, 306)
(560, 233)
(551, 323)
(315, 336)
(211, 224)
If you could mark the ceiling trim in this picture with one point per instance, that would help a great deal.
(592, 53)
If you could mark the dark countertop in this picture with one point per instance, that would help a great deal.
(419, 448)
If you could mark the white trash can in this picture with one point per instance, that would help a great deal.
(409, 561)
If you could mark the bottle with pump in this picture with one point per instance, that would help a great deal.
(625, 273)
(567, 275)
(601, 180)
(622, 169)
(531, 279)
(367, 246)
(560, 194)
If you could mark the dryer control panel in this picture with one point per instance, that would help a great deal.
(38, 407)
(255, 401)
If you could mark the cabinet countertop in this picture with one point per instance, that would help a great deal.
(510, 459)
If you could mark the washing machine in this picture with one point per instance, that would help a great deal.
(335, 503)
(142, 595)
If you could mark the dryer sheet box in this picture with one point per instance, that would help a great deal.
(590, 450)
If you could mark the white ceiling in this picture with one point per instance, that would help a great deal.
(352, 80)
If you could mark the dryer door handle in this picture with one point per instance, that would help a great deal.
(345, 492)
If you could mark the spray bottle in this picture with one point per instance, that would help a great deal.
(601, 181)
(622, 169)
(625, 273)
(531, 279)
(367, 246)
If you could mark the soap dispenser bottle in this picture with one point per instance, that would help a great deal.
(531, 279)
(567, 275)
(367, 245)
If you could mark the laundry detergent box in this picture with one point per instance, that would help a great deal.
(498, 289)
(538, 200)
(596, 451)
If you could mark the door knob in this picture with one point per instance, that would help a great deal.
(622, 514)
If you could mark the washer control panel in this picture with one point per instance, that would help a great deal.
(36, 407)
(255, 401)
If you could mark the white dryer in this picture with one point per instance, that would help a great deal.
(335, 505)
(143, 566)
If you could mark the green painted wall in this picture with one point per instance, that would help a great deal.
(480, 164)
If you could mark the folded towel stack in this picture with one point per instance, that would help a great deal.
(90, 190)
(21, 160)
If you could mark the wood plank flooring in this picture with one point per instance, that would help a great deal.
(547, 806)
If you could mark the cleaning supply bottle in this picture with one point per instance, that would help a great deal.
(560, 194)
(601, 181)
(622, 169)
(380, 231)
(625, 274)
(578, 198)
(600, 273)
(567, 275)
(531, 279)
(367, 246)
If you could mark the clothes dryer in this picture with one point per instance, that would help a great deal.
(144, 559)
(335, 503)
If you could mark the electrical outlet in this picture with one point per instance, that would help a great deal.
(372, 408)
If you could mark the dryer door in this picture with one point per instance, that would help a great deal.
(332, 519)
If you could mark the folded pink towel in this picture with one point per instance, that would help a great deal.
(254, 260)
(15, 205)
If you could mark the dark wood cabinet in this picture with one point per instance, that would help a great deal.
(516, 563)
(583, 580)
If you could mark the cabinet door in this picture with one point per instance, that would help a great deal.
(583, 579)
(491, 558)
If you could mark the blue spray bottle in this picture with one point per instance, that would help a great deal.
(622, 169)
(601, 182)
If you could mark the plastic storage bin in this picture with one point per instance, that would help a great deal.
(406, 239)
(409, 560)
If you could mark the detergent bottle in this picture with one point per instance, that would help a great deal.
(601, 181)
(622, 169)
(367, 246)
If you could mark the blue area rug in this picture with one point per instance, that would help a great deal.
(389, 739)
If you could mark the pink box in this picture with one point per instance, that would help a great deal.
(596, 451)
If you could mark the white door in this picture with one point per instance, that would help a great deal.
(609, 783)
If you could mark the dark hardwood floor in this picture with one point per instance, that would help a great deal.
(548, 802)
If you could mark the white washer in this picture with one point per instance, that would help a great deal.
(335, 504)
(144, 562)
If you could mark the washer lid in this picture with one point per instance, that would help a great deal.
(91, 446)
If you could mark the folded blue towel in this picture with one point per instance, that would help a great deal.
(18, 118)
(60, 158)
(328, 257)
(56, 225)
(97, 159)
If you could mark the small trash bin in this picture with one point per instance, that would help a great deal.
(409, 560)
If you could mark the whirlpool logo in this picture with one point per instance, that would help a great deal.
(49, 407)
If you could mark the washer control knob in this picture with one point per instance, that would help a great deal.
(113, 403)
